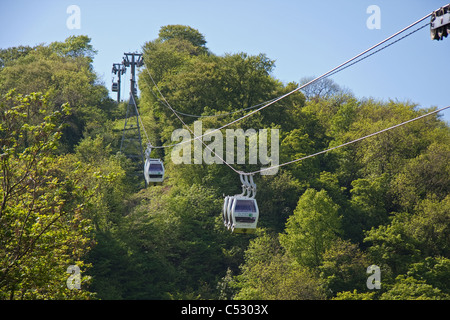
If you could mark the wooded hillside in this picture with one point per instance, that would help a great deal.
(69, 197)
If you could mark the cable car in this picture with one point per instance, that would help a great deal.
(440, 23)
(154, 171)
(115, 87)
(153, 168)
(240, 213)
(244, 215)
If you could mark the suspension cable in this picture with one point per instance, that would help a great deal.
(347, 143)
(333, 71)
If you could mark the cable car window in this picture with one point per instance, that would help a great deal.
(245, 206)
(246, 219)
(155, 167)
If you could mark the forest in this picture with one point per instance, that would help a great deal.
(68, 196)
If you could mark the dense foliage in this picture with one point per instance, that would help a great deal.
(69, 197)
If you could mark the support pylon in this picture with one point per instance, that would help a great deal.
(131, 144)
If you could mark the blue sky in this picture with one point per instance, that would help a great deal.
(305, 38)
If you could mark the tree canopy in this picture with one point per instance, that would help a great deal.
(69, 197)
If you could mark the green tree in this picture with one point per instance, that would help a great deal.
(409, 238)
(368, 207)
(277, 197)
(354, 295)
(426, 175)
(207, 84)
(270, 274)
(181, 32)
(312, 228)
(435, 271)
(408, 288)
(63, 71)
(165, 239)
(344, 267)
(9, 55)
(44, 230)
(74, 47)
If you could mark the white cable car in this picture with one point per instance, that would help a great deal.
(115, 87)
(153, 168)
(440, 23)
(228, 203)
(244, 214)
(240, 212)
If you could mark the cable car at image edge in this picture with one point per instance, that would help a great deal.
(153, 168)
(440, 23)
(240, 213)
